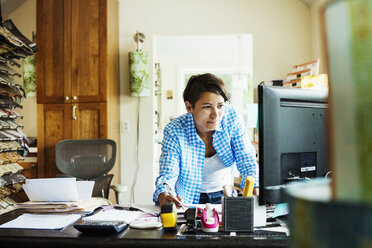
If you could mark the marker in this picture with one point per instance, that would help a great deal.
(234, 193)
(170, 191)
(248, 188)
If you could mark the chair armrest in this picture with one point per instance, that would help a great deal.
(119, 189)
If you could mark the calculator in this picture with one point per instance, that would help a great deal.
(101, 227)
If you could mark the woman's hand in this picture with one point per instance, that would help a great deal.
(165, 197)
(256, 191)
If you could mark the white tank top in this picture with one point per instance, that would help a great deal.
(215, 175)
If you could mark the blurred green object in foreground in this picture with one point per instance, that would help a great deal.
(349, 43)
(29, 75)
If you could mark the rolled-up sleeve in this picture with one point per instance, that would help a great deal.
(244, 152)
(169, 164)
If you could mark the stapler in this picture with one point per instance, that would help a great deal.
(209, 220)
(190, 216)
(168, 215)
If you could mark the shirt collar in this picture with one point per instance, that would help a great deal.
(192, 136)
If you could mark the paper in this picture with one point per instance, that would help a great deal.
(58, 189)
(150, 209)
(280, 210)
(115, 215)
(81, 207)
(41, 221)
(146, 222)
(259, 213)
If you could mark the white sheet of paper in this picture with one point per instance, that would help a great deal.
(41, 221)
(84, 189)
(259, 213)
(53, 189)
(50, 180)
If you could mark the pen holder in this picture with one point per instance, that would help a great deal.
(237, 214)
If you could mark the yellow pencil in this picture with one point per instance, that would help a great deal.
(248, 188)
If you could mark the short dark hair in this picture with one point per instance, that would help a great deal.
(198, 84)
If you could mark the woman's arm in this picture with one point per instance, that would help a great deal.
(169, 169)
(244, 152)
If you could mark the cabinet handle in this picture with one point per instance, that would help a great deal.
(67, 98)
(74, 97)
(74, 112)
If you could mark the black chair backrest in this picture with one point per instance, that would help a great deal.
(85, 159)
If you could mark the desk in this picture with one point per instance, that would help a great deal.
(70, 238)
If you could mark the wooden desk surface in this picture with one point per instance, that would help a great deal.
(70, 237)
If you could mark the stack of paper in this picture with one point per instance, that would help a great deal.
(59, 195)
(79, 207)
(58, 189)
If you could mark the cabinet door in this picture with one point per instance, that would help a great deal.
(53, 64)
(72, 56)
(90, 121)
(54, 124)
(88, 50)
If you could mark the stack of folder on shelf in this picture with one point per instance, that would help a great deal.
(294, 78)
(59, 195)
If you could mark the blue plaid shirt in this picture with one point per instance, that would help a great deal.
(183, 154)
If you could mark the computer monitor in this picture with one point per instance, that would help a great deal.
(292, 138)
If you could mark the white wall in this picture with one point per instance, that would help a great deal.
(175, 53)
(281, 38)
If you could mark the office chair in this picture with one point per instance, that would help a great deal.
(88, 160)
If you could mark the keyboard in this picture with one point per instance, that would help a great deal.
(101, 227)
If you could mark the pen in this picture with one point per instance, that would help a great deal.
(170, 191)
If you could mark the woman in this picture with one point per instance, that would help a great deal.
(199, 147)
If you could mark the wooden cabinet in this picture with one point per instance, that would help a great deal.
(57, 122)
(73, 44)
(77, 75)
(30, 169)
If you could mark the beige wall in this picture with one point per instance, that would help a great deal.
(24, 17)
(281, 38)
(317, 29)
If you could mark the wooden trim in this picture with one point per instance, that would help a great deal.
(298, 72)
(293, 81)
(103, 47)
(74, 54)
(307, 63)
(113, 89)
(67, 50)
(39, 57)
(67, 121)
(103, 120)
(40, 140)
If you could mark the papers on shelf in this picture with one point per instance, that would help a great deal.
(41, 221)
(79, 207)
(58, 189)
